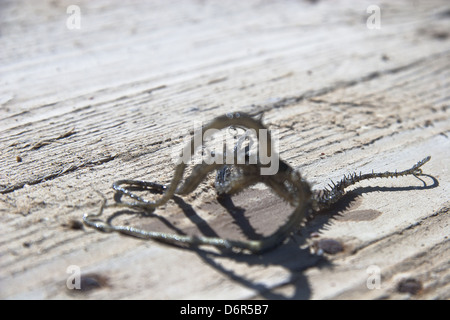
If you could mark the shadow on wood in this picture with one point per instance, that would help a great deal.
(293, 247)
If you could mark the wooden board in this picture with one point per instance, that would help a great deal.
(81, 108)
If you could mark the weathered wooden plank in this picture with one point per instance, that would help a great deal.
(82, 108)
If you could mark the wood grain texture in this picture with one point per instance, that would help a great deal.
(82, 108)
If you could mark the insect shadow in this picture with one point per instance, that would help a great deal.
(292, 256)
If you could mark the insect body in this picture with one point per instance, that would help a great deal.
(287, 183)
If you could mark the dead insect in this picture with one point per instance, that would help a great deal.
(230, 179)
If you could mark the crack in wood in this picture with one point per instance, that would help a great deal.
(57, 174)
(292, 100)
(45, 142)
(410, 228)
